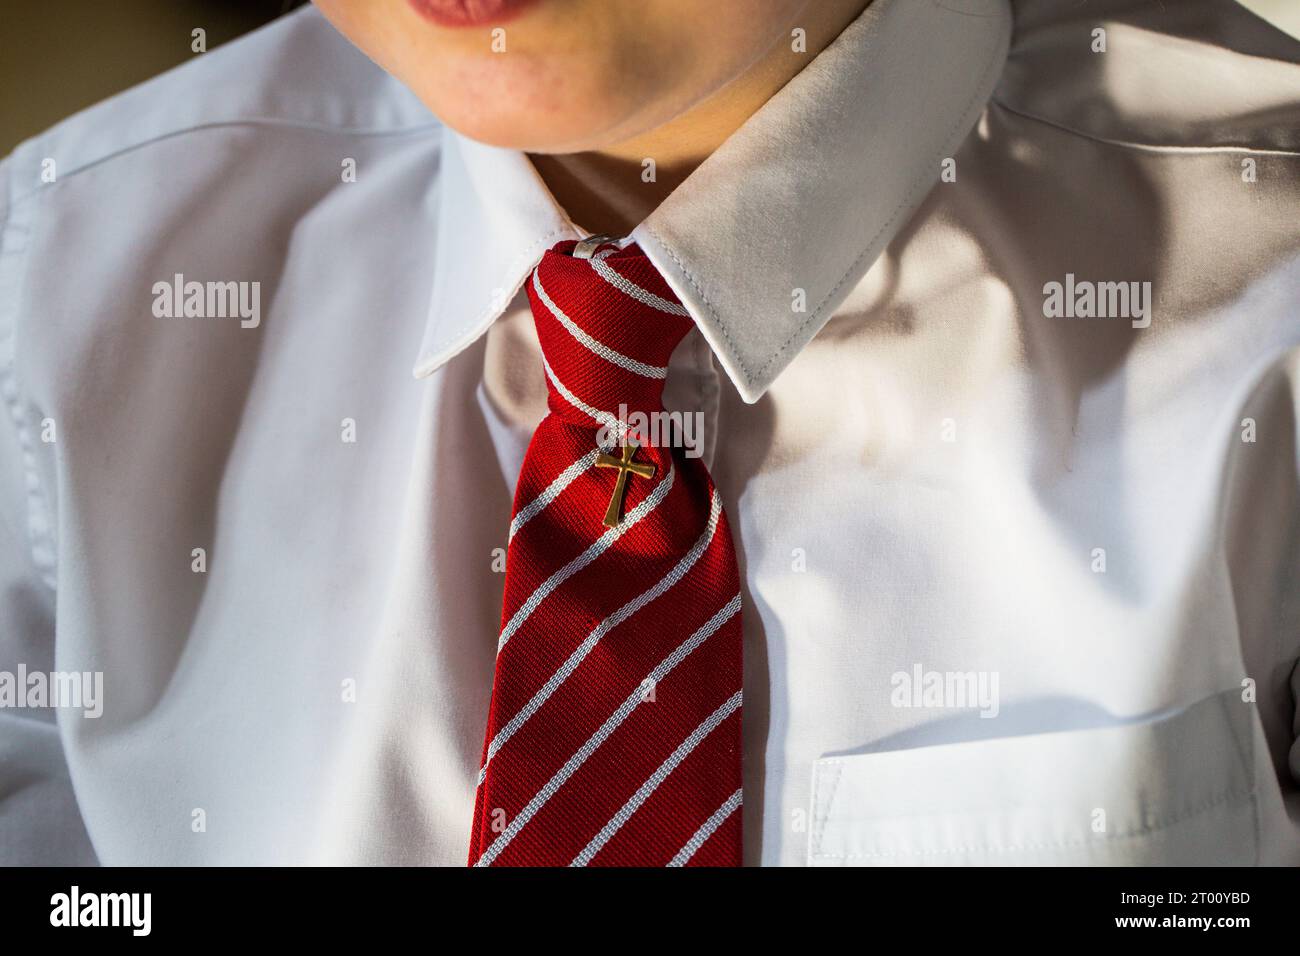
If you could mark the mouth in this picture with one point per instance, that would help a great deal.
(469, 13)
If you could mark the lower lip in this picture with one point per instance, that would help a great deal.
(469, 13)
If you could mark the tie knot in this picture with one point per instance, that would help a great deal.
(607, 325)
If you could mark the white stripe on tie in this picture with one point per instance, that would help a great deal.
(602, 733)
(593, 344)
(692, 741)
(707, 829)
(627, 287)
(594, 550)
(552, 491)
(603, 628)
(611, 422)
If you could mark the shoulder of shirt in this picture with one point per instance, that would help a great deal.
(296, 72)
(1187, 75)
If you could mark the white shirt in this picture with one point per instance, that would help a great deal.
(1020, 585)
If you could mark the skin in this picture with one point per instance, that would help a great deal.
(591, 88)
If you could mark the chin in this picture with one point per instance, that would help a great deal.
(518, 109)
(510, 129)
(504, 132)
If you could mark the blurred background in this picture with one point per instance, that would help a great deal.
(60, 56)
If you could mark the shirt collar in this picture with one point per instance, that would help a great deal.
(770, 234)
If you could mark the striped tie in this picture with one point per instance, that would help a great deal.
(613, 737)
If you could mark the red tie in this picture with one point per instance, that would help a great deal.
(613, 737)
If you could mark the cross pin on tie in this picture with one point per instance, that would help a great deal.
(624, 465)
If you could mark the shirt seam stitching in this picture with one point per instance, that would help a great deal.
(1144, 147)
(1229, 796)
(254, 122)
(34, 496)
(453, 343)
(922, 181)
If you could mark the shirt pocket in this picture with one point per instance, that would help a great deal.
(1174, 790)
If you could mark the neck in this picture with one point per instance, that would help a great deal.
(610, 190)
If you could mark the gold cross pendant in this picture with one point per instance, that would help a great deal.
(624, 465)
